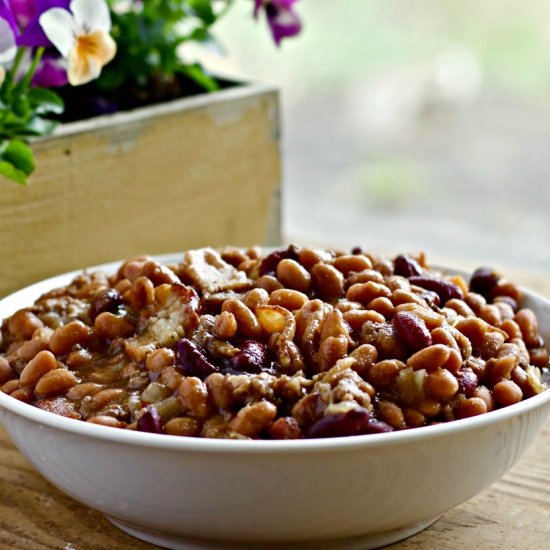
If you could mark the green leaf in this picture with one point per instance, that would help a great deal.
(39, 126)
(203, 9)
(45, 101)
(19, 155)
(9, 171)
(196, 73)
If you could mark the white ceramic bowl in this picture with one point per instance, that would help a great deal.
(356, 492)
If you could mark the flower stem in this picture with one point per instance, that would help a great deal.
(10, 75)
(25, 83)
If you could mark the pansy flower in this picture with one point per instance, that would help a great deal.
(7, 46)
(27, 13)
(281, 17)
(82, 37)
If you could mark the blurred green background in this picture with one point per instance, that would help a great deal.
(411, 124)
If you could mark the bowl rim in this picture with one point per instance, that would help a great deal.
(230, 446)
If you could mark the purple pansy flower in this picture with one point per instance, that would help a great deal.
(7, 15)
(32, 34)
(23, 11)
(281, 17)
(51, 72)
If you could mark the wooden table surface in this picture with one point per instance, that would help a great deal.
(513, 514)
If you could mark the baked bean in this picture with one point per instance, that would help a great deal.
(507, 393)
(506, 311)
(491, 314)
(333, 325)
(160, 359)
(255, 297)
(454, 362)
(501, 367)
(112, 326)
(528, 325)
(55, 382)
(254, 419)
(6, 372)
(400, 296)
(247, 324)
(429, 407)
(507, 288)
(430, 358)
(37, 367)
(330, 350)
(366, 292)
(473, 328)
(472, 406)
(368, 275)
(66, 337)
(475, 301)
(441, 335)
(538, 357)
(80, 391)
(348, 263)
(105, 397)
(485, 394)
(490, 345)
(171, 378)
(183, 426)
(431, 318)
(225, 326)
(391, 414)
(461, 307)
(142, 292)
(441, 384)
(327, 281)
(511, 328)
(268, 283)
(365, 357)
(25, 395)
(289, 299)
(385, 372)
(292, 275)
(309, 257)
(271, 318)
(383, 306)
(78, 358)
(193, 397)
(31, 348)
(104, 420)
(356, 318)
(23, 323)
(413, 418)
(10, 386)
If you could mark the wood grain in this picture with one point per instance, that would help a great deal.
(513, 514)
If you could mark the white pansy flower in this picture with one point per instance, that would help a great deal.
(82, 37)
(7, 47)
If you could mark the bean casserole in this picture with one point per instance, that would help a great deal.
(296, 343)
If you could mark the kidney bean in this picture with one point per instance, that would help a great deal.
(354, 422)
(150, 421)
(483, 280)
(191, 360)
(252, 358)
(108, 299)
(445, 289)
(412, 330)
(467, 381)
(270, 262)
(406, 266)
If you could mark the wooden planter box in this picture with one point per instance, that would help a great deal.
(197, 171)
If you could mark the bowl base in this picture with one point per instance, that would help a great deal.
(365, 542)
